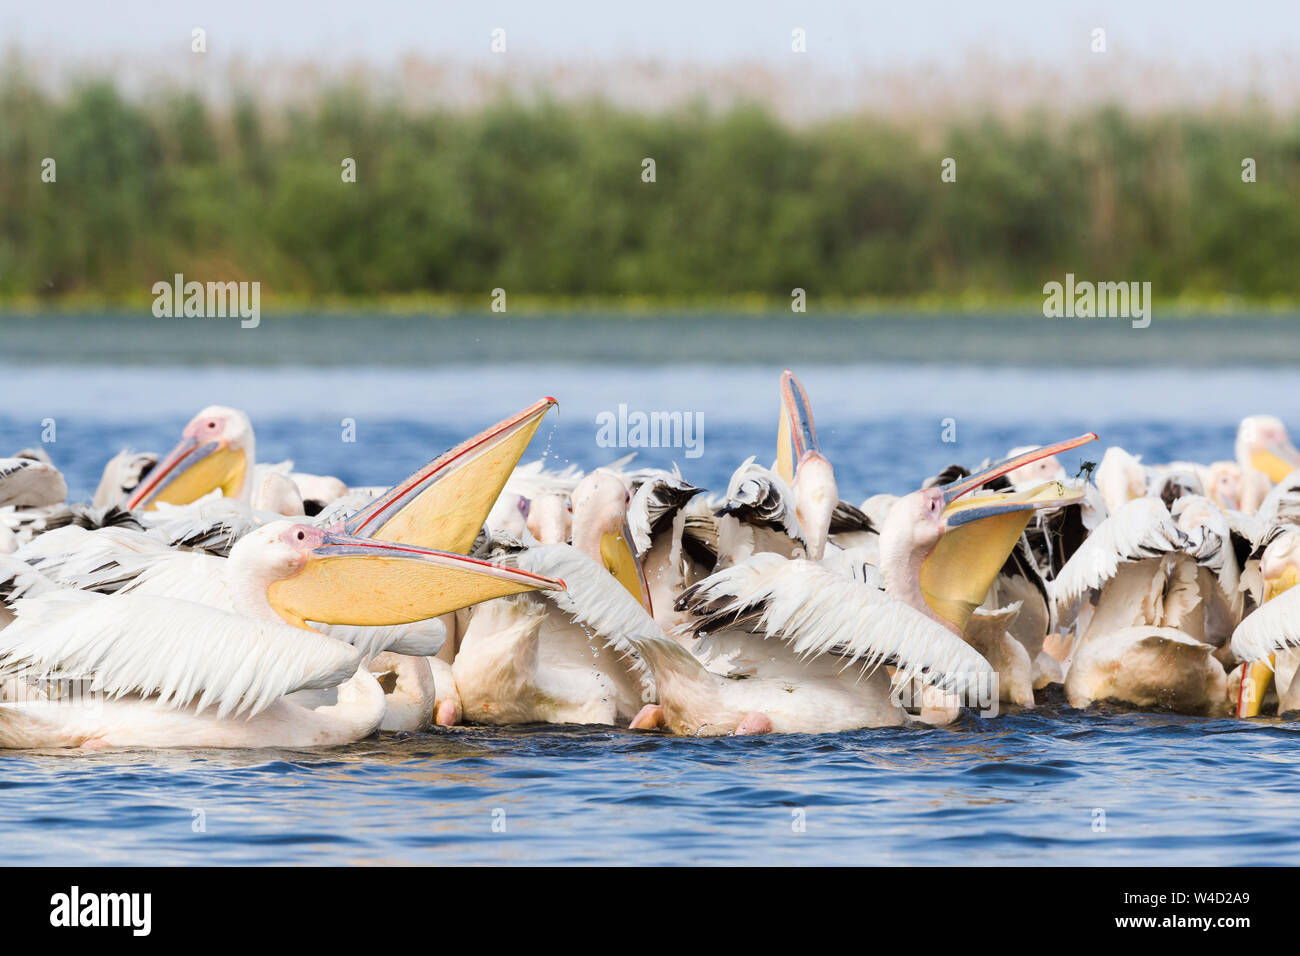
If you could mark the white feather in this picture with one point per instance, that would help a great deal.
(1272, 627)
(764, 490)
(1140, 529)
(178, 651)
(817, 611)
(595, 599)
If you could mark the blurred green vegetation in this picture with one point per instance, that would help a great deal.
(546, 199)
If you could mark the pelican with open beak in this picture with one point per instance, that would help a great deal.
(172, 673)
(977, 530)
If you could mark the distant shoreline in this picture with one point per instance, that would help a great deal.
(650, 308)
(589, 339)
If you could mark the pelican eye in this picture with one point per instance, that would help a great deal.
(301, 536)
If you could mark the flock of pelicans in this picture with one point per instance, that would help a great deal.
(208, 600)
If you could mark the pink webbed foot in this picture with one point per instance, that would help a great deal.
(755, 722)
(447, 714)
(649, 717)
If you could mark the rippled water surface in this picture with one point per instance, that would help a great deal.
(1055, 786)
(1069, 787)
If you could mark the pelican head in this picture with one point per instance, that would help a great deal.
(1279, 565)
(278, 494)
(801, 464)
(815, 498)
(600, 529)
(1036, 472)
(1120, 478)
(215, 452)
(941, 547)
(1223, 484)
(600, 503)
(549, 519)
(305, 573)
(510, 514)
(1264, 445)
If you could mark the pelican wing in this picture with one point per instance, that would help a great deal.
(104, 560)
(658, 499)
(19, 579)
(595, 599)
(817, 611)
(759, 496)
(1282, 504)
(847, 518)
(1140, 529)
(1210, 539)
(103, 566)
(1246, 530)
(180, 652)
(209, 524)
(1272, 627)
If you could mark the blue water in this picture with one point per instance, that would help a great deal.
(1069, 787)
(1055, 786)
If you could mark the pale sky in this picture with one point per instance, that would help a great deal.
(840, 32)
(911, 58)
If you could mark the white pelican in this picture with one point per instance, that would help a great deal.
(176, 673)
(1019, 596)
(444, 505)
(217, 451)
(1265, 455)
(792, 509)
(1145, 643)
(1223, 484)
